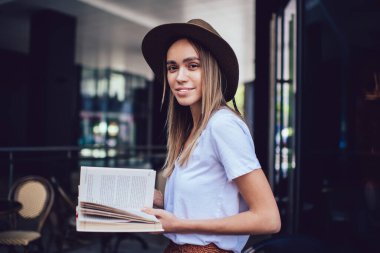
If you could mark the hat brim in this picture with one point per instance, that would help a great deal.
(157, 41)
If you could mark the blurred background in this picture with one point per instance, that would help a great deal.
(76, 91)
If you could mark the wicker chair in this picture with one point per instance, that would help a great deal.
(36, 196)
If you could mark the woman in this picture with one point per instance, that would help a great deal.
(216, 193)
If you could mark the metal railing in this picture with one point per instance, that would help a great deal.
(69, 153)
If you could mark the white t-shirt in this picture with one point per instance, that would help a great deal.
(203, 189)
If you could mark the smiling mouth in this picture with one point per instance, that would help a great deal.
(184, 89)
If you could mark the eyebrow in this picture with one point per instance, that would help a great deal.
(185, 60)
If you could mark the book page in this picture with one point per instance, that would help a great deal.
(118, 227)
(122, 188)
(104, 224)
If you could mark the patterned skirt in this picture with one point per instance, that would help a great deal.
(189, 248)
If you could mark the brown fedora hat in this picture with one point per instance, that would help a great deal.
(158, 40)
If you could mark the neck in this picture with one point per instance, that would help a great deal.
(196, 111)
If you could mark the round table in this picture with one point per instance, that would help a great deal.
(9, 206)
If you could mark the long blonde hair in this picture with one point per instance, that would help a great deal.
(179, 120)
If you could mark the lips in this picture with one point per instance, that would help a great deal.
(183, 91)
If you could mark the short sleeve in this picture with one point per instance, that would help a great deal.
(233, 145)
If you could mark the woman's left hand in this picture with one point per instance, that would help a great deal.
(168, 220)
(158, 199)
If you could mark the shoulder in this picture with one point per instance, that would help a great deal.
(225, 117)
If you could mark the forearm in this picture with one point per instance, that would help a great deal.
(243, 223)
(262, 218)
(158, 199)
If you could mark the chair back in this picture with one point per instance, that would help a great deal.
(63, 194)
(36, 195)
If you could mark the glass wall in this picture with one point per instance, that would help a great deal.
(284, 87)
(108, 116)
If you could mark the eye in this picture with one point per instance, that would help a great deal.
(193, 65)
(171, 68)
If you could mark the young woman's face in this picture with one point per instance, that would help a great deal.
(184, 73)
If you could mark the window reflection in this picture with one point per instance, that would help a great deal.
(107, 115)
(284, 84)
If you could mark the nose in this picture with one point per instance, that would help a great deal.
(181, 75)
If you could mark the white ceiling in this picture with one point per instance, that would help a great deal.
(109, 32)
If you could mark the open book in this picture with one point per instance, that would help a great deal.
(111, 199)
